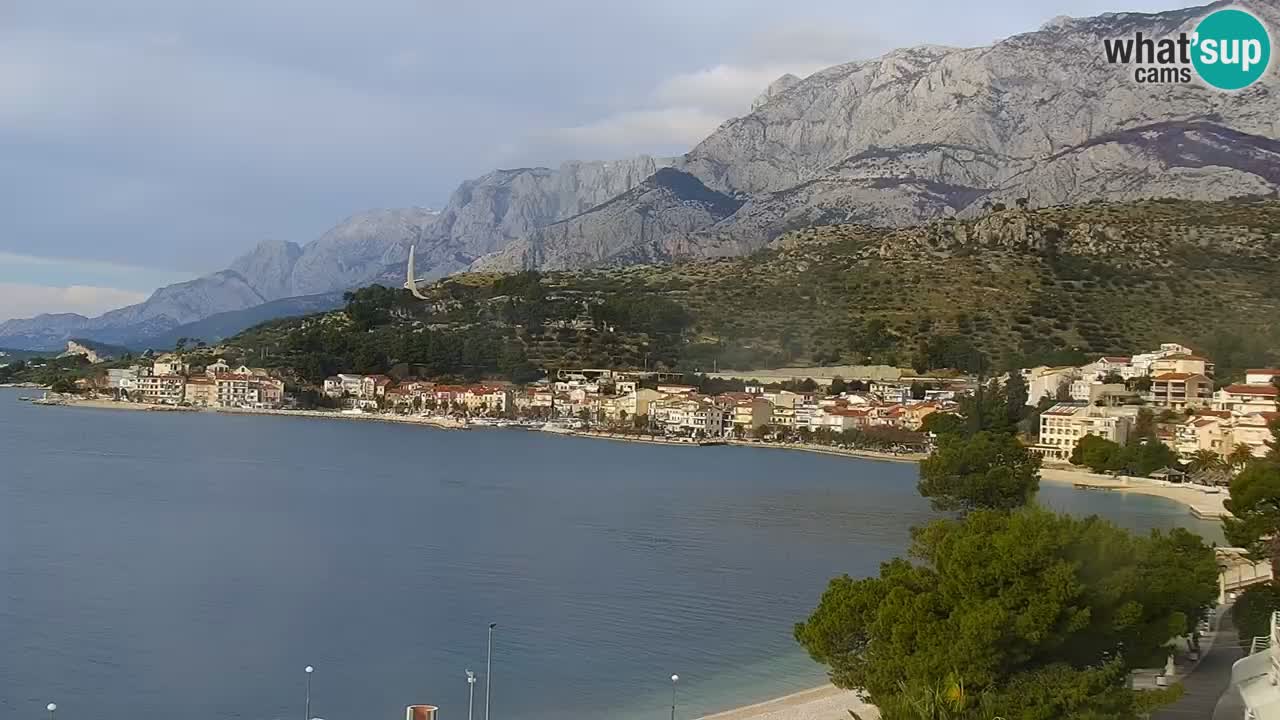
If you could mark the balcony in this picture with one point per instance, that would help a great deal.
(1257, 675)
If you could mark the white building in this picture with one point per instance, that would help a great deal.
(1044, 381)
(1245, 399)
(1261, 377)
(1062, 426)
(1257, 676)
(1121, 365)
(169, 364)
(1141, 364)
(124, 381)
(161, 389)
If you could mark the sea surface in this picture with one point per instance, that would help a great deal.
(190, 565)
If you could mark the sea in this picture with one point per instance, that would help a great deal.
(193, 564)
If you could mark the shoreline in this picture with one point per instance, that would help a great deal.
(1206, 506)
(824, 702)
(102, 404)
(823, 449)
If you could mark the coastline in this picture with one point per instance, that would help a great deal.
(1203, 505)
(101, 404)
(824, 449)
(824, 702)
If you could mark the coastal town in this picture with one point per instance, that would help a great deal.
(875, 407)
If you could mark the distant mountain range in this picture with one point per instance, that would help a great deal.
(918, 134)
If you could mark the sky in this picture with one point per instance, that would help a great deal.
(144, 142)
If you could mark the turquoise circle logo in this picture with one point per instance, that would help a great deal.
(1232, 49)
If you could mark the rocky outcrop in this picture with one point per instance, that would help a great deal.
(651, 223)
(77, 348)
(776, 88)
(487, 213)
(269, 268)
(358, 250)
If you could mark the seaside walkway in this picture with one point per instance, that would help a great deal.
(1209, 693)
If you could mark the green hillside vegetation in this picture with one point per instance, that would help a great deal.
(1014, 288)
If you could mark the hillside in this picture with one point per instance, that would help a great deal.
(1021, 286)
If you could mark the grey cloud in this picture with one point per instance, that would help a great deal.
(177, 135)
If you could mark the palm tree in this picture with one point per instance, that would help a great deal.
(945, 700)
(1205, 460)
(1240, 455)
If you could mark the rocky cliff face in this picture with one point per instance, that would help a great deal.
(269, 267)
(977, 117)
(651, 223)
(488, 213)
(930, 132)
(358, 250)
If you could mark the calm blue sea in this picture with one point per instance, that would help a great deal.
(190, 565)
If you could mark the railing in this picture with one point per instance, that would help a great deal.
(1260, 643)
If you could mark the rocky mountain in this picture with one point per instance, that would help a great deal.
(487, 214)
(650, 223)
(932, 131)
(216, 328)
(167, 307)
(917, 134)
(483, 215)
(269, 267)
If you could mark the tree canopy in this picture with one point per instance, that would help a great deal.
(984, 471)
(1045, 614)
(1255, 511)
(1137, 458)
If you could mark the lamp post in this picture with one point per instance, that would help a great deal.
(674, 679)
(488, 671)
(307, 714)
(51, 707)
(471, 692)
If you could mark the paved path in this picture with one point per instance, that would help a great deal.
(1207, 696)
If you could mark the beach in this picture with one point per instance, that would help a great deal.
(826, 702)
(1202, 504)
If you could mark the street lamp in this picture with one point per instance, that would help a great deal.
(471, 692)
(51, 707)
(674, 679)
(307, 714)
(488, 670)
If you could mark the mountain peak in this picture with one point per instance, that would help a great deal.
(776, 88)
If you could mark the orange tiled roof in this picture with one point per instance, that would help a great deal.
(1240, 389)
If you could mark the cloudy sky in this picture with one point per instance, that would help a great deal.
(150, 141)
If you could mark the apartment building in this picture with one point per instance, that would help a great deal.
(200, 391)
(1245, 399)
(1062, 426)
(1180, 390)
(161, 389)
